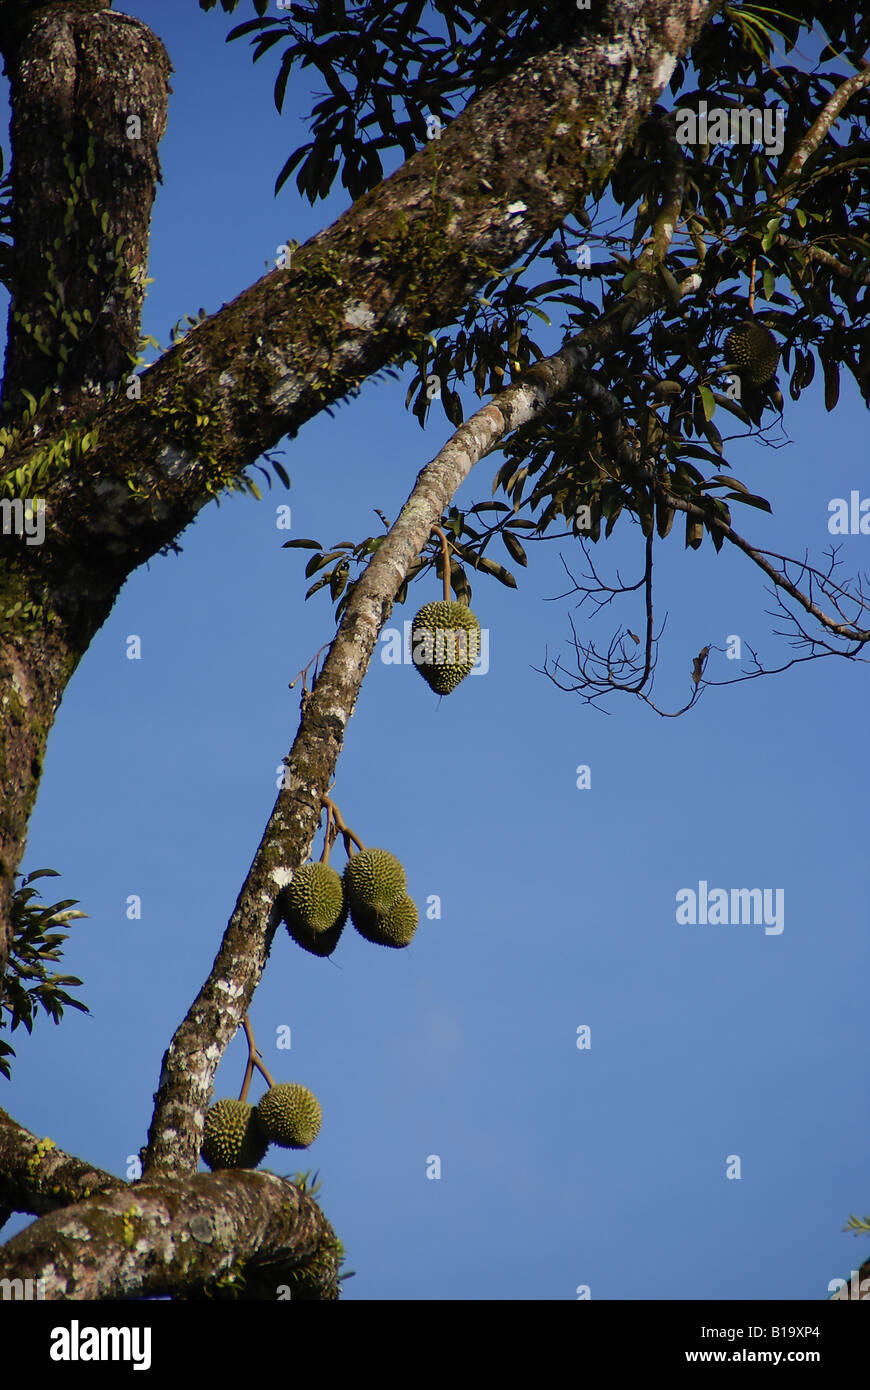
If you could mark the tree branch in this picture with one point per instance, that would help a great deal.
(236, 1232)
(360, 294)
(816, 134)
(38, 1177)
(193, 1056)
(817, 253)
(843, 629)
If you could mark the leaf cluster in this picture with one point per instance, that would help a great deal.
(859, 1226)
(346, 559)
(393, 73)
(29, 985)
(391, 70)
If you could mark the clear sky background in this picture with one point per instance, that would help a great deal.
(560, 1167)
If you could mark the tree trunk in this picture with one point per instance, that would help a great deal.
(89, 93)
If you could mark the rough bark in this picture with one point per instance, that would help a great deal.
(240, 1233)
(89, 94)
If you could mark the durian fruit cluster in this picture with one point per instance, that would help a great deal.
(380, 909)
(237, 1135)
(372, 892)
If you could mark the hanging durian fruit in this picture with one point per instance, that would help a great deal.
(445, 637)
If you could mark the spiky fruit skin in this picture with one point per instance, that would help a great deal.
(394, 928)
(754, 351)
(232, 1137)
(290, 1115)
(314, 900)
(445, 644)
(320, 943)
(373, 880)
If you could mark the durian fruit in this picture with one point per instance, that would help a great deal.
(314, 899)
(318, 943)
(754, 351)
(314, 909)
(373, 881)
(445, 644)
(290, 1115)
(394, 928)
(232, 1138)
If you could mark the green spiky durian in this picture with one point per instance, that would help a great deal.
(445, 644)
(373, 880)
(320, 943)
(232, 1138)
(290, 1115)
(754, 351)
(394, 928)
(313, 907)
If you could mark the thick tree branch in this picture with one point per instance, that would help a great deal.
(38, 1177)
(396, 265)
(242, 1233)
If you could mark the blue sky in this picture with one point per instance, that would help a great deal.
(560, 1167)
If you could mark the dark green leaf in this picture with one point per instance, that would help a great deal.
(318, 561)
(697, 451)
(318, 585)
(751, 500)
(722, 481)
(832, 382)
(497, 571)
(452, 406)
(514, 549)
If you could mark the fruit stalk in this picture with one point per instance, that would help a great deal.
(253, 1060)
(445, 551)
